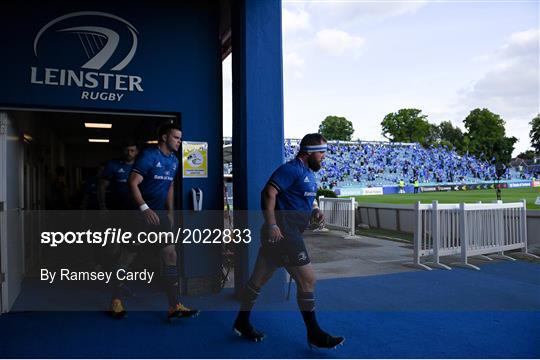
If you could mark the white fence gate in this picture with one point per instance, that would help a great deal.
(468, 230)
(339, 213)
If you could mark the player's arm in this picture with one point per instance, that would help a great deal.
(86, 195)
(316, 213)
(269, 203)
(133, 182)
(101, 193)
(269, 195)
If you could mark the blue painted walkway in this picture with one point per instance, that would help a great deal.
(492, 313)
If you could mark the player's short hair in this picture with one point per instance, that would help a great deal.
(129, 142)
(312, 139)
(166, 128)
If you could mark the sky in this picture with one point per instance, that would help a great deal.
(366, 59)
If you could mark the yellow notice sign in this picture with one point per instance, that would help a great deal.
(195, 159)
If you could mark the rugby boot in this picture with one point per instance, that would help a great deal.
(117, 309)
(323, 340)
(180, 311)
(248, 331)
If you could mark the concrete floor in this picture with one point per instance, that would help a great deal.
(333, 255)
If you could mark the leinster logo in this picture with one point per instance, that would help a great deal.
(98, 43)
(87, 50)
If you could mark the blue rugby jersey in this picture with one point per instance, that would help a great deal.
(297, 189)
(90, 190)
(158, 171)
(117, 173)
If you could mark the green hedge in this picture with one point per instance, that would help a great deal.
(326, 193)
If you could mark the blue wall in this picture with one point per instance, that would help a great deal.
(257, 120)
(178, 59)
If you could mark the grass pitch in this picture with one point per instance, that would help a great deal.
(454, 197)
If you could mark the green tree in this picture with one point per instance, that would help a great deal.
(406, 125)
(527, 155)
(535, 133)
(336, 128)
(487, 136)
(433, 137)
(451, 135)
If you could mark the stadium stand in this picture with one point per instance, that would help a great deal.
(366, 164)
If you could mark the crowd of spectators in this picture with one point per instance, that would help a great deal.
(367, 164)
(381, 163)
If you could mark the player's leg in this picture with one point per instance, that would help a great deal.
(263, 271)
(125, 258)
(304, 275)
(170, 282)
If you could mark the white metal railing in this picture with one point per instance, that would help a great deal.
(338, 213)
(436, 232)
(468, 230)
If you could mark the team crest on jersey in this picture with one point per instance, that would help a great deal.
(121, 170)
(306, 179)
(158, 165)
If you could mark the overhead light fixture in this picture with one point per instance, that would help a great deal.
(28, 137)
(98, 125)
(152, 142)
(98, 140)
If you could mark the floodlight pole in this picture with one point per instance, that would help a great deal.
(498, 188)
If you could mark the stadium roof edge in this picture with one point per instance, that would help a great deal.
(228, 139)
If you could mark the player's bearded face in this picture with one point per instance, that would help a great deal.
(130, 153)
(315, 160)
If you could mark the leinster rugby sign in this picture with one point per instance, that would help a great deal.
(100, 46)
